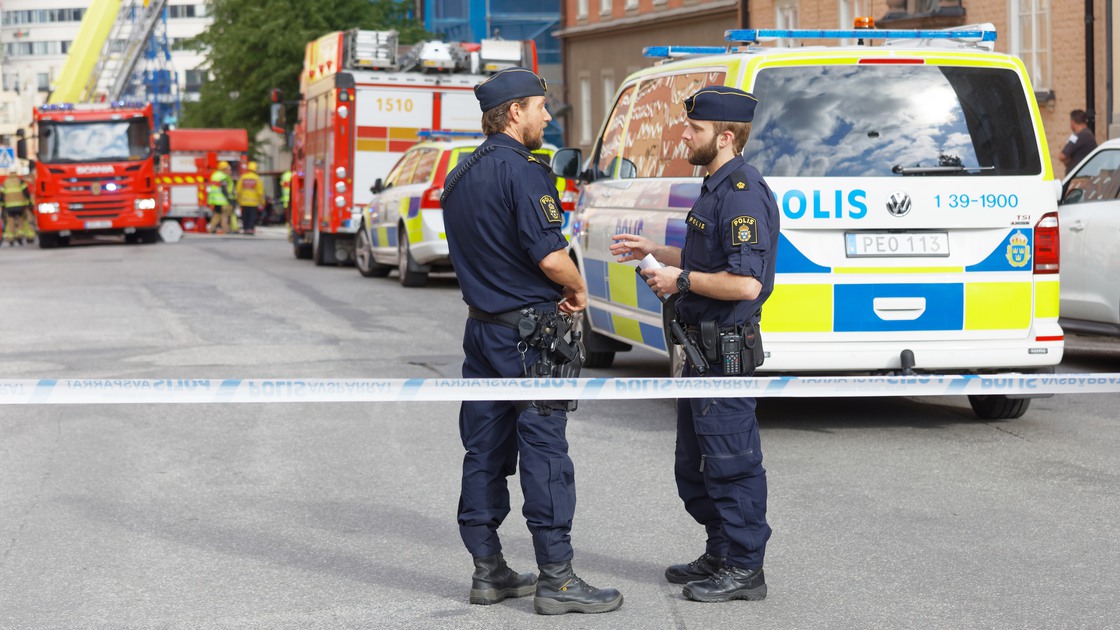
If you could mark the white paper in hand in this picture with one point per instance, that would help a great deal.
(649, 262)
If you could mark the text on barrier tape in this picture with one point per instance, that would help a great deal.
(198, 391)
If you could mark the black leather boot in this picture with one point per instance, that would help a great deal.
(560, 590)
(494, 581)
(700, 568)
(727, 584)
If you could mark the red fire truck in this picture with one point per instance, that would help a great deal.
(192, 155)
(94, 172)
(362, 104)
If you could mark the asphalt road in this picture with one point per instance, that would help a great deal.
(887, 512)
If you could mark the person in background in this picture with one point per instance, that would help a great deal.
(250, 196)
(218, 196)
(1081, 142)
(16, 201)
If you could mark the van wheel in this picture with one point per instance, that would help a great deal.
(594, 359)
(405, 263)
(363, 257)
(999, 407)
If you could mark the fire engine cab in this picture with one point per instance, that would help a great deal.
(363, 102)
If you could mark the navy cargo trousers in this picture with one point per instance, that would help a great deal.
(720, 476)
(494, 435)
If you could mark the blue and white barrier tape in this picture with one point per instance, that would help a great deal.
(201, 391)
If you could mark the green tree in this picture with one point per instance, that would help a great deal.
(256, 45)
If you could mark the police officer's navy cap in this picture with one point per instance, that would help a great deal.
(719, 102)
(507, 85)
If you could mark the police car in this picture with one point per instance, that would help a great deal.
(402, 227)
(1090, 217)
(918, 205)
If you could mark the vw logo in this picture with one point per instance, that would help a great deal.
(898, 204)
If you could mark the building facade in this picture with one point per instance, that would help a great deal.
(35, 39)
(602, 42)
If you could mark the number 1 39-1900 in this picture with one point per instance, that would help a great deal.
(990, 200)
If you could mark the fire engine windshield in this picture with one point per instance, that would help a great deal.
(108, 141)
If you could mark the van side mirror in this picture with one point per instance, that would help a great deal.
(626, 169)
(377, 186)
(566, 163)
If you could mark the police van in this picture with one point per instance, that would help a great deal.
(919, 228)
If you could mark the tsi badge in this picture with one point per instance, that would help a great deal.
(1018, 250)
(898, 204)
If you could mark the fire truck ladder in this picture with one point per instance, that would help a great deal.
(113, 74)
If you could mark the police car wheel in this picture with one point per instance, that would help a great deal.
(406, 265)
(999, 407)
(363, 257)
(676, 361)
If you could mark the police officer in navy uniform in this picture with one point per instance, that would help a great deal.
(503, 220)
(723, 275)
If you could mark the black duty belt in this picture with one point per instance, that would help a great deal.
(508, 319)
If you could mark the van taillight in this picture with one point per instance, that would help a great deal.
(1046, 248)
(430, 199)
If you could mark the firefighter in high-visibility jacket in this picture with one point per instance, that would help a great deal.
(250, 196)
(16, 200)
(286, 191)
(218, 196)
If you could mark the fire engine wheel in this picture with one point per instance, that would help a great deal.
(363, 257)
(301, 249)
(996, 407)
(142, 237)
(406, 265)
(48, 241)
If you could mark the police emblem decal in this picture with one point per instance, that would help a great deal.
(1018, 250)
(550, 209)
(744, 230)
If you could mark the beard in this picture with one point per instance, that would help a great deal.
(532, 138)
(704, 155)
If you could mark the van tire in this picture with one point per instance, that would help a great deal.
(597, 358)
(998, 407)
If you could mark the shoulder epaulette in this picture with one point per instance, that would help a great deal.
(738, 180)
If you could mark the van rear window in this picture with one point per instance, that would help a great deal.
(868, 121)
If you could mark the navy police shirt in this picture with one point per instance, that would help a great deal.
(502, 218)
(732, 227)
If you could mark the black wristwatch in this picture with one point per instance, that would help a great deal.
(683, 284)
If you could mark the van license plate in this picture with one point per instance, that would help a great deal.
(886, 244)
(98, 225)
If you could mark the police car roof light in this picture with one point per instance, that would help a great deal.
(442, 133)
(669, 52)
(757, 35)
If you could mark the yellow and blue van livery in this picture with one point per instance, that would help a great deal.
(402, 227)
(919, 227)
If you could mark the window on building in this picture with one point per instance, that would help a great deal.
(183, 11)
(194, 80)
(631, 4)
(849, 11)
(653, 146)
(785, 17)
(11, 82)
(1030, 40)
(43, 80)
(605, 7)
(581, 9)
(584, 110)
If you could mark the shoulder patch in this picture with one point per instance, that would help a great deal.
(551, 209)
(744, 231)
(738, 181)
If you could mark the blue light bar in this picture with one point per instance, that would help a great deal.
(755, 35)
(439, 133)
(663, 52)
(56, 107)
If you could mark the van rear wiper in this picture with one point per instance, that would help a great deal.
(899, 169)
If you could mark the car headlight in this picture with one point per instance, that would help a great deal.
(145, 204)
(340, 187)
(339, 201)
(48, 207)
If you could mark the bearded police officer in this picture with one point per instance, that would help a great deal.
(503, 220)
(723, 276)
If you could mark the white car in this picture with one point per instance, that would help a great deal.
(1089, 216)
